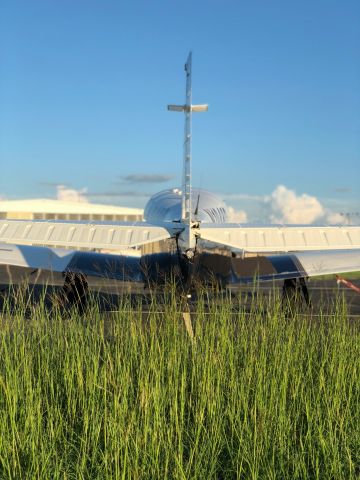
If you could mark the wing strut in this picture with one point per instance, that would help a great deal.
(187, 108)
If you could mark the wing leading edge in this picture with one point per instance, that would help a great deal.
(231, 271)
(126, 268)
(206, 266)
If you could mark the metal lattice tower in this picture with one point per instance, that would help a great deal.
(187, 108)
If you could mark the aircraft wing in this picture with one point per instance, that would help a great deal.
(154, 267)
(234, 270)
(100, 235)
(207, 266)
(120, 267)
(281, 238)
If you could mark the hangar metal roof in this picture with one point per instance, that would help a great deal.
(46, 205)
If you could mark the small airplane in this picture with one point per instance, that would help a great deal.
(193, 219)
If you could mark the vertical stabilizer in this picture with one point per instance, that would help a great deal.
(187, 108)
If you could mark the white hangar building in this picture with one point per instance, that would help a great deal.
(47, 209)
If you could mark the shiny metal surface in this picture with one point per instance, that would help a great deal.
(165, 206)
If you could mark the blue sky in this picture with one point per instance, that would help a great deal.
(84, 87)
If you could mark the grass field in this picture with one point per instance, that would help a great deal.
(349, 276)
(258, 395)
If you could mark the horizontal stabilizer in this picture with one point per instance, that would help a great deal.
(281, 238)
(110, 236)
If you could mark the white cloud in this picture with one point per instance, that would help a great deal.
(287, 207)
(71, 195)
(243, 196)
(236, 216)
(335, 218)
(147, 178)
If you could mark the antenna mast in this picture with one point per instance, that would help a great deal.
(187, 108)
(186, 186)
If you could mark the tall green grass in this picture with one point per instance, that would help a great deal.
(257, 395)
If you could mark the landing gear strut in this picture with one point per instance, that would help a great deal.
(75, 291)
(295, 293)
